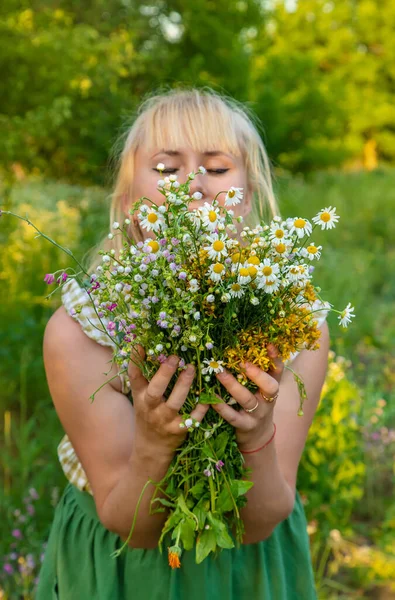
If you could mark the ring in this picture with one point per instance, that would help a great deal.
(250, 410)
(270, 398)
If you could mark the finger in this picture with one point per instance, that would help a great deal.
(160, 381)
(232, 416)
(267, 384)
(137, 380)
(239, 392)
(199, 412)
(278, 369)
(181, 389)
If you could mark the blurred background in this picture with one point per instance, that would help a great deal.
(321, 77)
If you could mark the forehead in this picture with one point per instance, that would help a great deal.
(206, 130)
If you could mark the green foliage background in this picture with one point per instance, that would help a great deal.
(320, 76)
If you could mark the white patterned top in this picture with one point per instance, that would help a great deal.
(75, 297)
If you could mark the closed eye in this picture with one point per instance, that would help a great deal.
(215, 171)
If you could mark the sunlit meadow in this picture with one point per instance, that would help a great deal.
(347, 473)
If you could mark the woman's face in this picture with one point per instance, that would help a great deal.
(223, 171)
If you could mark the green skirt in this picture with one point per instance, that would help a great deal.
(77, 563)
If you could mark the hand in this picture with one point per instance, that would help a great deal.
(157, 420)
(252, 428)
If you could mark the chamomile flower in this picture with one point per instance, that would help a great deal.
(216, 272)
(210, 217)
(311, 252)
(281, 247)
(212, 366)
(277, 232)
(234, 196)
(253, 260)
(301, 227)
(217, 246)
(346, 315)
(326, 218)
(270, 285)
(151, 220)
(236, 291)
(244, 276)
(298, 273)
(268, 270)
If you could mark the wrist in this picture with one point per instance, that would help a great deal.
(148, 456)
(258, 442)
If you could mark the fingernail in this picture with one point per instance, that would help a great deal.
(172, 361)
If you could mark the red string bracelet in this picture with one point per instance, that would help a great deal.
(262, 447)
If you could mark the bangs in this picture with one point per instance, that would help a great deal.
(201, 122)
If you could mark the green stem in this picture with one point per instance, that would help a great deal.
(118, 552)
(212, 493)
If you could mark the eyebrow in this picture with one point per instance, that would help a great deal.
(176, 153)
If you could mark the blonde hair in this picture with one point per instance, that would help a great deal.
(204, 120)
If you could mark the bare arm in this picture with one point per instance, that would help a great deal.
(118, 452)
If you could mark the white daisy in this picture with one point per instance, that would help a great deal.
(277, 232)
(210, 217)
(311, 252)
(281, 247)
(268, 269)
(301, 227)
(253, 260)
(326, 218)
(213, 366)
(236, 291)
(151, 220)
(216, 272)
(346, 315)
(271, 285)
(298, 273)
(244, 275)
(234, 196)
(217, 247)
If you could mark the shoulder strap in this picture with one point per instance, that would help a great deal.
(79, 306)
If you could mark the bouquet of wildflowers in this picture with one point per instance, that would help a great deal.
(193, 289)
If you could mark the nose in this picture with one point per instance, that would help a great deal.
(197, 185)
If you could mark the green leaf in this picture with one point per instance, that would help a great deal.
(207, 451)
(219, 444)
(205, 544)
(187, 533)
(198, 489)
(208, 398)
(222, 536)
(184, 508)
(242, 486)
(164, 502)
(200, 514)
(224, 501)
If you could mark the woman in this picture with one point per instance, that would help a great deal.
(112, 446)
